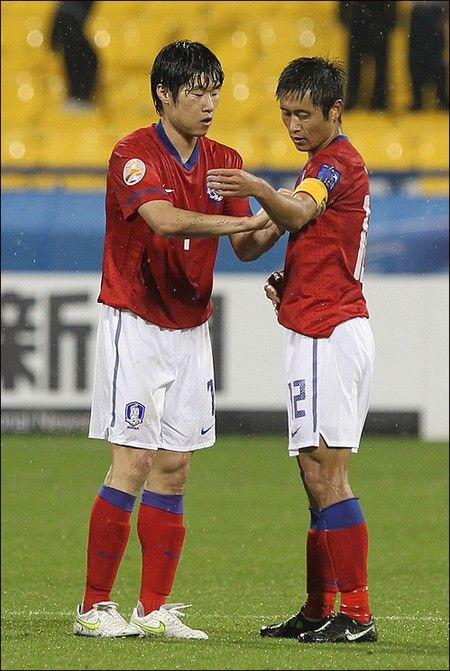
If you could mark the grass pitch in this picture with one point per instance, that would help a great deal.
(243, 563)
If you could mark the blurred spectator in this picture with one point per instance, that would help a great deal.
(426, 51)
(80, 59)
(369, 27)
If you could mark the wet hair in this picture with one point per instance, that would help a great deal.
(324, 80)
(184, 64)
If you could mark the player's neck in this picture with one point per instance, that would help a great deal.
(336, 132)
(183, 144)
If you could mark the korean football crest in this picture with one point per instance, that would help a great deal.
(213, 195)
(134, 414)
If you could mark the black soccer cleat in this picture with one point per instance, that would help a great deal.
(341, 629)
(295, 625)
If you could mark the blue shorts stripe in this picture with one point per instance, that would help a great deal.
(314, 386)
(116, 368)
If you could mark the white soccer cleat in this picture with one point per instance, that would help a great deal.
(103, 620)
(164, 622)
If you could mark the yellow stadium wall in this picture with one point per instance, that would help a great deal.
(253, 40)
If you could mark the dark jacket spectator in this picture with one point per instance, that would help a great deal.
(426, 51)
(80, 58)
(369, 27)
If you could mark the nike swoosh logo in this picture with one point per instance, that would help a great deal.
(352, 637)
(203, 431)
(294, 432)
(89, 625)
(169, 190)
(152, 630)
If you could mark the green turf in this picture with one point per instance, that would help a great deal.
(243, 563)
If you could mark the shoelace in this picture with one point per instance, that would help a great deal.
(175, 608)
(174, 611)
(115, 621)
(106, 605)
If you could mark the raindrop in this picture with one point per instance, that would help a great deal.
(239, 39)
(17, 149)
(35, 38)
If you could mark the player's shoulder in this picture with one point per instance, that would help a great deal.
(341, 149)
(339, 163)
(349, 151)
(341, 156)
(135, 140)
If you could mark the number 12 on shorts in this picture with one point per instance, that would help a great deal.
(297, 393)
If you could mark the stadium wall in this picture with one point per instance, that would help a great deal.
(51, 272)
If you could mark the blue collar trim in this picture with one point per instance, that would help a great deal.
(339, 137)
(169, 146)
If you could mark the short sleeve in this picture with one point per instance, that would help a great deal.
(135, 181)
(333, 173)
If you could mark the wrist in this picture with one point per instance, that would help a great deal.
(263, 192)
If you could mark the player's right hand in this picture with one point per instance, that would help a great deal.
(273, 287)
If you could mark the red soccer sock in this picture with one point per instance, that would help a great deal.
(347, 540)
(320, 579)
(161, 533)
(109, 530)
(356, 604)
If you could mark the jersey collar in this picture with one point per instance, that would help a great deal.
(339, 137)
(169, 146)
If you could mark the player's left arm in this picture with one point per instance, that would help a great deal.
(250, 246)
(289, 212)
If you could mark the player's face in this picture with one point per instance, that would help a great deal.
(308, 129)
(193, 111)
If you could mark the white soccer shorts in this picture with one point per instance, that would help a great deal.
(328, 382)
(153, 387)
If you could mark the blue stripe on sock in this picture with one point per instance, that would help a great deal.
(171, 503)
(117, 498)
(340, 515)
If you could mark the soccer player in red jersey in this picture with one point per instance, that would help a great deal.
(328, 343)
(154, 396)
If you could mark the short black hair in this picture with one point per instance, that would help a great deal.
(324, 79)
(184, 63)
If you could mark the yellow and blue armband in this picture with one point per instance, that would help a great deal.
(315, 188)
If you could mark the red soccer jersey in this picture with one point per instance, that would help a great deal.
(325, 259)
(166, 281)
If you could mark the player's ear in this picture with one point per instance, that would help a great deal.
(163, 94)
(336, 110)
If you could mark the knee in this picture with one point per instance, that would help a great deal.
(135, 469)
(325, 484)
(178, 475)
(172, 476)
(311, 475)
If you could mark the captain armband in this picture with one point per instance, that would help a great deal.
(315, 188)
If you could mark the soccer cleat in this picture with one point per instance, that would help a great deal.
(164, 622)
(342, 629)
(292, 627)
(103, 619)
